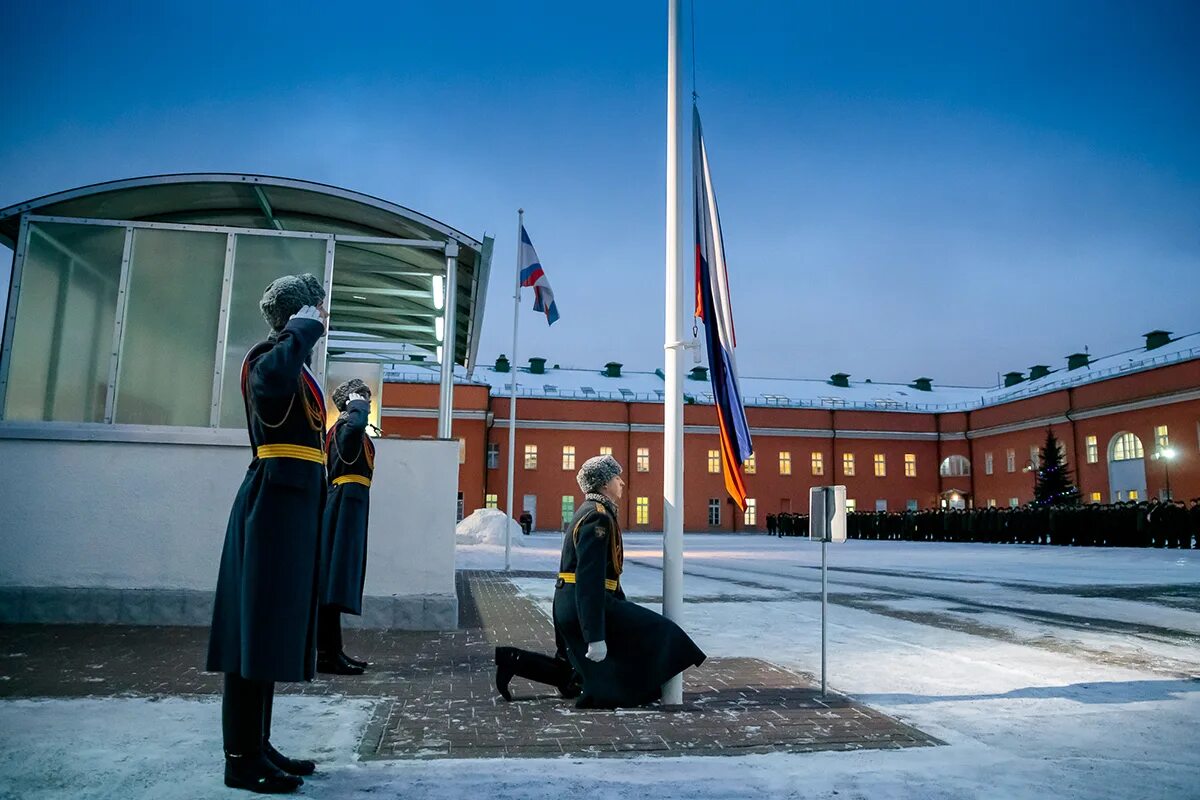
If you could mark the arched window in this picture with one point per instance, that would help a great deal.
(1126, 446)
(955, 467)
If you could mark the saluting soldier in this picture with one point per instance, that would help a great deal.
(264, 616)
(350, 455)
(623, 652)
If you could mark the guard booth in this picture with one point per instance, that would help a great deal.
(122, 430)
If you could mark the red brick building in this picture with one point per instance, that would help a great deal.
(893, 446)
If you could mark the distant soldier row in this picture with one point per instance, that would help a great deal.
(1130, 524)
(785, 524)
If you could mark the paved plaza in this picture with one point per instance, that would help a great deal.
(957, 671)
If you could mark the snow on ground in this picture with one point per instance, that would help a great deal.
(1038, 688)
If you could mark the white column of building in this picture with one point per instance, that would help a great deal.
(449, 342)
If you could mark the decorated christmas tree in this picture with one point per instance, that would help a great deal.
(1054, 486)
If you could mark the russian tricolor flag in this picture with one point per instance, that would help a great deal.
(713, 307)
(533, 275)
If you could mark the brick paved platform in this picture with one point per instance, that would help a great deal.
(437, 698)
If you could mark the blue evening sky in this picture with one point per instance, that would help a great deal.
(951, 189)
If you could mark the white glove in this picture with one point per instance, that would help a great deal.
(597, 651)
(355, 396)
(309, 312)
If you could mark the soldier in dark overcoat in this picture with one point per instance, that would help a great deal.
(350, 461)
(623, 652)
(264, 614)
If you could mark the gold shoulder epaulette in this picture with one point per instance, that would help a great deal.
(600, 507)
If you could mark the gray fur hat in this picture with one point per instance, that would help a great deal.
(596, 472)
(341, 395)
(287, 295)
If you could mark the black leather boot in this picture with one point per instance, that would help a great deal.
(355, 662)
(330, 656)
(336, 664)
(536, 667)
(255, 773)
(242, 715)
(292, 766)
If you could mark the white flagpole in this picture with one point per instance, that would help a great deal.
(673, 399)
(512, 400)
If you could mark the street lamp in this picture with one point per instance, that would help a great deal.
(1166, 455)
(1032, 469)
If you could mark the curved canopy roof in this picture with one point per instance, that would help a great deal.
(381, 291)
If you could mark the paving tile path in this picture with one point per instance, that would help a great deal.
(437, 698)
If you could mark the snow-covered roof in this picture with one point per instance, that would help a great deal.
(572, 383)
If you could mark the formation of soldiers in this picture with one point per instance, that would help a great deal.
(1151, 523)
(785, 524)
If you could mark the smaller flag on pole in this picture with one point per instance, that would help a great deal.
(533, 275)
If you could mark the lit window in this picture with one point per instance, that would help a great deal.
(714, 512)
(643, 511)
(568, 456)
(1095, 497)
(606, 451)
(1160, 436)
(848, 464)
(992, 503)
(491, 501)
(643, 459)
(1013, 502)
(1093, 450)
(751, 517)
(751, 465)
(911, 505)
(1010, 460)
(987, 463)
(1127, 447)
(1133, 494)
(1035, 456)
(881, 505)
(531, 456)
(714, 461)
(462, 450)
(568, 508)
(785, 462)
(880, 465)
(493, 455)
(818, 463)
(910, 465)
(955, 467)
(851, 505)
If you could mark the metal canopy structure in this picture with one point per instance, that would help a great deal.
(389, 270)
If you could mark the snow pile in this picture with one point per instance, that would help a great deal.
(486, 526)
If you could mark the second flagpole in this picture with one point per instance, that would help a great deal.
(512, 399)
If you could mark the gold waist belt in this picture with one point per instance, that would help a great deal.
(339, 480)
(569, 577)
(290, 451)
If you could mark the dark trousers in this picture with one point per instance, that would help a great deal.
(329, 630)
(246, 714)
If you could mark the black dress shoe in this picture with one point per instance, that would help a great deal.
(292, 766)
(255, 773)
(337, 665)
(572, 688)
(356, 662)
(505, 669)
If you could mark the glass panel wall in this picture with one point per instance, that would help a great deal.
(173, 307)
(63, 337)
(258, 260)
